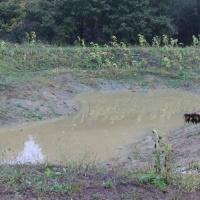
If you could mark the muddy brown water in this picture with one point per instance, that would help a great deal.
(103, 129)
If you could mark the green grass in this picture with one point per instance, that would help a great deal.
(22, 63)
(41, 180)
(75, 178)
(19, 178)
(32, 115)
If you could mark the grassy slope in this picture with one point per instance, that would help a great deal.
(174, 66)
(18, 63)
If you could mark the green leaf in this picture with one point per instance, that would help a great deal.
(48, 172)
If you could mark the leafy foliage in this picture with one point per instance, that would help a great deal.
(186, 18)
(12, 15)
(92, 20)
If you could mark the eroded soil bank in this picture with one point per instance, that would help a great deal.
(51, 97)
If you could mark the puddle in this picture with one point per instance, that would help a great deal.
(103, 129)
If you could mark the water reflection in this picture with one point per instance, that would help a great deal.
(31, 153)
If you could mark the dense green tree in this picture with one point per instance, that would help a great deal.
(97, 20)
(12, 15)
(62, 21)
(186, 17)
(41, 18)
(130, 18)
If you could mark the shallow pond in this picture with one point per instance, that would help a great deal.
(103, 129)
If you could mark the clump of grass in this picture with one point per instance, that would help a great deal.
(194, 164)
(188, 182)
(3, 113)
(153, 179)
(108, 184)
(147, 177)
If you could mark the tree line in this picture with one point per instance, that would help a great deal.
(63, 21)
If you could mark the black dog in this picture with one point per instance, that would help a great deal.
(192, 117)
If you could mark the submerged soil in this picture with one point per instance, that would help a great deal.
(52, 97)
